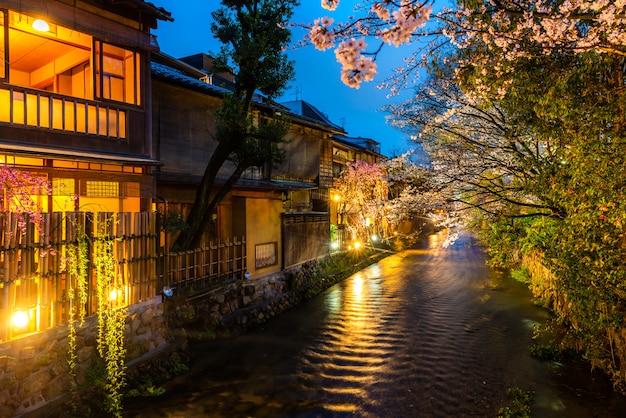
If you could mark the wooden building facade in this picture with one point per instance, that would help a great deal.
(75, 100)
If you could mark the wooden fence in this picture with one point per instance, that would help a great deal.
(220, 261)
(34, 273)
(306, 236)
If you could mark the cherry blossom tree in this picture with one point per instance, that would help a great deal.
(364, 193)
(18, 189)
(508, 30)
(376, 198)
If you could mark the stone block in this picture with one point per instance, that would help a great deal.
(147, 316)
(85, 354)
(23, 369)
(58, 386)
(28, 352)
(35, 383)
(10, 364)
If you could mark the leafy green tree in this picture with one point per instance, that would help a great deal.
(254, 37)
(572, 103)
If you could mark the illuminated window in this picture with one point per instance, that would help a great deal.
(102, 189)
(59, 62)
(3, 59)
(28, 161)
(64, 68)
(265, 255)
(63, 187)
(117, 73)
(64, 164)
(63, 195)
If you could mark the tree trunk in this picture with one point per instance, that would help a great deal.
(201, 203)
(206, 221)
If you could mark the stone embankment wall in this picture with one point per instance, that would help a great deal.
(241, 305)
(34, 370)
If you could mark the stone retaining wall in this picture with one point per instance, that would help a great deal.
(241, 305)
(34, 370)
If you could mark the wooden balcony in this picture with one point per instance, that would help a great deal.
(21, 106)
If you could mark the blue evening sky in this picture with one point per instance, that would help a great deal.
(317, 73)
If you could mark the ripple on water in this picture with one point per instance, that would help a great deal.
(421, 334)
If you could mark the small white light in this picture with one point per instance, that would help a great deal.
(334, 245)
(375, 238)
(20, 319)
(41, 25)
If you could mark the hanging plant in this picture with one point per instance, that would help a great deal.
(77, 262)
(111, 316)
(110, 309)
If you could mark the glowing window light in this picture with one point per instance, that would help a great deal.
(41, 25)
(20, 319)
(335, 245)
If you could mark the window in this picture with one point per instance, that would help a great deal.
(265, 255)
(56, 59)
(337, 169)
(102, 189)
(4, 63)
(117, 73)
(59, 72)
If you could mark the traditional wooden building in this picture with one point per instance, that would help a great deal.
(335, 153)
(75, 99)
(283, 210)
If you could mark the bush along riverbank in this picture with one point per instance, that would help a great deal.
(579, 275)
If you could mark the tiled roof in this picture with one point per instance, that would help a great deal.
(178, 76)
(307, 110)
(358, 142)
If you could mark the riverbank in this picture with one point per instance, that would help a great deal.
(205, 324)
(156, 372)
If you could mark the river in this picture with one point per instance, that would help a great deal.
(428, 332)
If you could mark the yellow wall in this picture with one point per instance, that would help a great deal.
(263, 226)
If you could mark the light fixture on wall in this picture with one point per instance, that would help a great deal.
(41, 25)
(20, 319)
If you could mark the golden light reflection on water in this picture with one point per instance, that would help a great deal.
(355, 345)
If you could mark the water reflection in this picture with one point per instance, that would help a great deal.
(430, 332)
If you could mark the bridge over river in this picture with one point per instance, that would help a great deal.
(429, 332)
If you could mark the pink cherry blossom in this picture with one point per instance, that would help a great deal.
(330, 4)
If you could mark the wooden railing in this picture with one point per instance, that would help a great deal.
(45, 110)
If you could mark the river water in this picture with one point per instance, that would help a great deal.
(429, 332)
